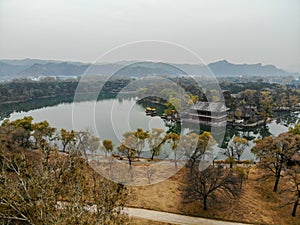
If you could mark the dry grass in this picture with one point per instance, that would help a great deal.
(139, 221)
(257, 203)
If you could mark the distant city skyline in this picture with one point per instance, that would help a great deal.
(240, 31)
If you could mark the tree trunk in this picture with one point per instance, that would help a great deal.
(231, 162)
(296, 204)
(85, 156)
(205, 202)
(131, 173)
(152, 157)
(241, 183)
(129, 160)
(175, 159)
(295, 207)
(277, 180)
(64, 148)
(138, 155)
(111, 168)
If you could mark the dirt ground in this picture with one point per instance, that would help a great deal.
(257, 203)
(139, 221)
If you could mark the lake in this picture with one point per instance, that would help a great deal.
(110, 118)
(113, 117)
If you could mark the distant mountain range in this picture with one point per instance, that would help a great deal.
(10, 69)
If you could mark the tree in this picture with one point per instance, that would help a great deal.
(20, 130)
(141, 137)
(150, 170)
(274, 153)
(42, 130)
(173, 139)
(198, 146)
(28, 195)
(265, 105)
(293, 174)
(241, 174)
(238, 114)
(155, 141)
(211, 183)
(49, 188)
(293, 177)
(87, 142)
(239, 145)
(108, 146)
(235, 149)
(295, 130)
(203, 141)
(66, 137)
(128, 147)
(109, 200)
(46, 149)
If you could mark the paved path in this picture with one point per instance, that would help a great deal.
(174, 218)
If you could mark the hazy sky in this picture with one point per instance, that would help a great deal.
(241, 31)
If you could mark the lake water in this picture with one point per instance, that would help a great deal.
(111, 118)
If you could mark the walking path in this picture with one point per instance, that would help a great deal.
(174, 218)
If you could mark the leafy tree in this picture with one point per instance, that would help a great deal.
(42, 130)
(198, 146)
(66, 137)
(274, 153)
(155, 141)
(108, 146)
(173, 139)
(238, 114)
(241, 174)
(293, 177)
(295, 129)
(141, 137)
(46, 149)
(235, 149)
(187, 147)
(266, 109)
(239, 145)
(21, 130)
(128, 147)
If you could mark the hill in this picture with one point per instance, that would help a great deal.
(224, 68)
(35, 67)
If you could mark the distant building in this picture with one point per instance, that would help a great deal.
(206, 113)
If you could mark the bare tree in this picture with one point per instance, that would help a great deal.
(212, 183)
(87, 142)
(52, 188)
(150, 170)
